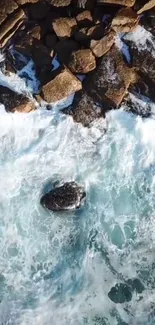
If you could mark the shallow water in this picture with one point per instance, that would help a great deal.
(57, 269)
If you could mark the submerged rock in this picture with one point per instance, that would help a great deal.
(120, 293)
(66, 197)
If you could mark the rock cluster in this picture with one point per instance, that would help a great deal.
(83, 35)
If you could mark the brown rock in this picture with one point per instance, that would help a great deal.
(149, 5)
(64, 49)
(35, 32)
(7, 7)
(15, 102)
(84, 35)
(84, 109)
(10, 26)
(23, 2)
(128, 3)
(82, 61)
(63, 85)
(143, 86)
(64, 27)
(50, 40)
(39, 10)
(60, 3)
(111, 79)
(84, 19)
(126, 20)
(102, 46)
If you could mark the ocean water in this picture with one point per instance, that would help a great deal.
(57, 269)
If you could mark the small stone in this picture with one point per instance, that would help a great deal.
(63, 85)
(120, 294)
(69, 196)
(126, 20)
(64, 27)
(102, 46)
(15, 102)
(82, 61)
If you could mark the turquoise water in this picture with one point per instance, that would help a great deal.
(58, 269)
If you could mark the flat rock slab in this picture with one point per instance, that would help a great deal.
(82, 61)
(63, 85)
(111, 79)
(69, 196)
(102, 46)
(15, 102)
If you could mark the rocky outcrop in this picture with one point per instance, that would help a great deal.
(69, 196)
(63, 85)
(102, 46)
(15, 102)
(82, 61)
(125, 21)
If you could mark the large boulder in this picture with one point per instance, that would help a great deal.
(85, 110)
(111, 79)
(69, 196)
(15, 102)
(64, 27)
(63, 85)
(102, 46)
(125, 20)
(82, 61)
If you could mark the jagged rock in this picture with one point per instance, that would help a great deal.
(82, 61)
(111, 79)
(50, 40)
(39, 10)
(85, 35)
(84, 19)
(59, 3)
(63, 85)
(15, 102)
(64, 27)
(128, 3)
(125, 21)
(142, 50)
(120, 293)
(64, 48)
(69, 196)
(10, 26)
(84, 109)
(102, 46)
(149, 5)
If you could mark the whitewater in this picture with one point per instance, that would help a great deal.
(57, 269)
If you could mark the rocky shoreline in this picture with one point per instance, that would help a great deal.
(108, 43)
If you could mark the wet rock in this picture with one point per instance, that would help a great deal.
(142, 50)
(39, 10)
(111, 79)
(128, 3)
(64, 27)
(82, 61)
(136, 285)
(125, 21)
(66, 197)
(64, 48)
(15, 102)
(143, 86)
(63, 85)
(59, 3)
(137, 105)
(102, 46)
(10, 26)
(50, 40)
(149, 5)
(84, 19)
(120, 293)
(84, 109)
